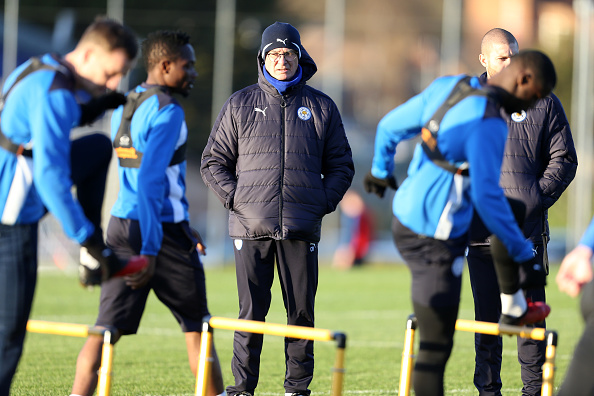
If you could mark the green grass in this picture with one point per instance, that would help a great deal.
(369, 304)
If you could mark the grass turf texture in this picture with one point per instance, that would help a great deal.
(370, 304)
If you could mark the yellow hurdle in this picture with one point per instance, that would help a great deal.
(548, 368)
(251, 326)
(79, 330)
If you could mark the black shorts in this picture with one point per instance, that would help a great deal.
(178, 281)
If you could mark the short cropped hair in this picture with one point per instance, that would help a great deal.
(497, 35)
(542, 67)
(163, 44)
(111, 35)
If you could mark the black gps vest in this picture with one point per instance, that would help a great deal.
(461, 90)
(128, 156)
(35, 65)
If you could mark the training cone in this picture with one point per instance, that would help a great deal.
(135, 264)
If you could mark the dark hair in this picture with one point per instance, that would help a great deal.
(542, 67)
(163, 44)
(111, 35)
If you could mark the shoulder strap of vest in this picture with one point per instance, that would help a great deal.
(35, 65)
(461, 90)
(128, 156)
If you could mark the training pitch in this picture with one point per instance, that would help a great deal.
(370, 304)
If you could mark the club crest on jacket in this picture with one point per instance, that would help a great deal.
(304, 113)
(519, 117)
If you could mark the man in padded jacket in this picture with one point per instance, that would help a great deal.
(279, 160)
(539, 163)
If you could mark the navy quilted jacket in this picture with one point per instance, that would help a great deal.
(279, 163)
(539, 163)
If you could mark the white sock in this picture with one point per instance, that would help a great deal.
(513, 304)
(88, 261)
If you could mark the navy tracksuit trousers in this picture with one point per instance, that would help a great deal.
(297, 265)
(488, 348)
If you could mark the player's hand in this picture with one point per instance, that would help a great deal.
(200, 246)
(95, 107)
(97, 249)
(378, 186)
(143, 276)
(575, 270)
(108, 261)
(535, 275)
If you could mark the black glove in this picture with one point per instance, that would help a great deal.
(95, 107)
(107, 259)
(378, 186)
(532, 274)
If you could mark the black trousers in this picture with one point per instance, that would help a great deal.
(90, 156)
(297, 265)
(488, 348)
(436, 268)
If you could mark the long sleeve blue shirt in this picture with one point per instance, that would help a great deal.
(40, 112)
(434, 202)
(587, 238)
(155, 192)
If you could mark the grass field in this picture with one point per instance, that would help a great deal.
(369, 304)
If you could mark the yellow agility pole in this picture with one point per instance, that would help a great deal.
(548, 368)
(57, 328)
(105, 371)
(252, 326)
(407, 356)
(338, 370)
(79, 330)
(205, 360)
(536, 333)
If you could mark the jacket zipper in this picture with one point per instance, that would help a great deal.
(282, 166)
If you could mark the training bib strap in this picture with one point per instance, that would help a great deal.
(462, 90)
(128, 156)
(35, 65)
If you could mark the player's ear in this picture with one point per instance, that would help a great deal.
(483, 60)
(165, 66)
(525, 78)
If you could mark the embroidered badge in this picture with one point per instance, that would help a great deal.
(304, 113)
(238, 244)
(519, 117)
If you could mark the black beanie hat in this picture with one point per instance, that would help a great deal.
(280, 35)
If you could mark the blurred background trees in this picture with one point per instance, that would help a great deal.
(372, 56)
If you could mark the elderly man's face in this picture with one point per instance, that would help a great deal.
(281, 63)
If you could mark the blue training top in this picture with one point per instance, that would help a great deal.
(40, 111)
(587, 238)
(154, 192)
(434, 202)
